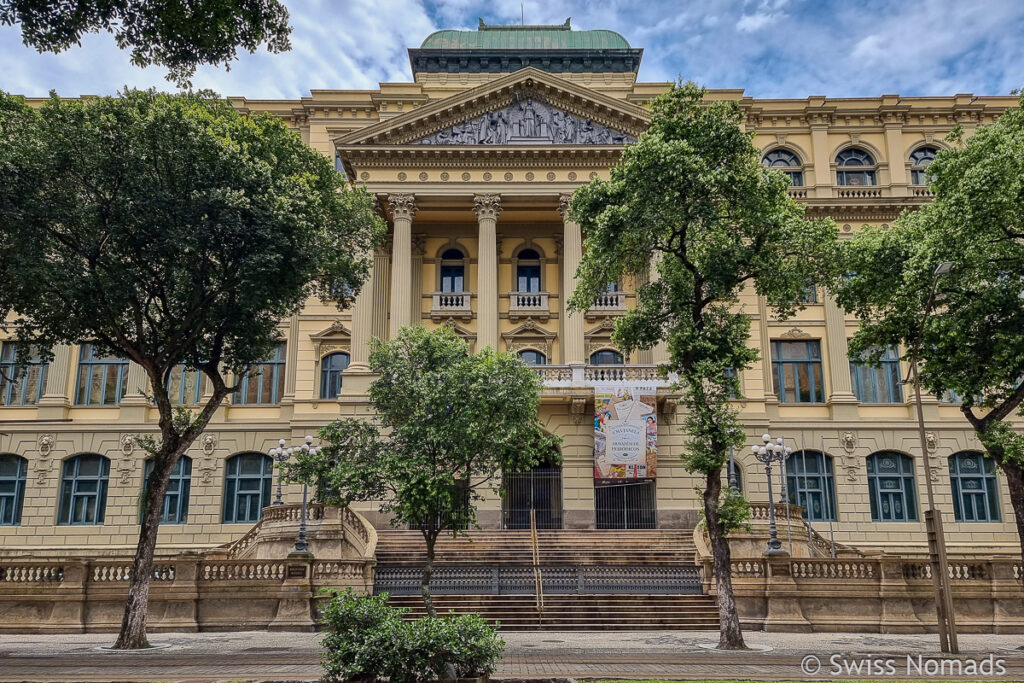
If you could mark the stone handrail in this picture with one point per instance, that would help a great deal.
(451, 301)
(292, 512)
(759, 512)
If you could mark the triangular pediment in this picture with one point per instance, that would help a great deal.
(527, 107)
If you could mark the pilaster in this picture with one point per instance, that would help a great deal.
(841, 398)
(134, 403)
(56, 400)
(358, 372)
(487, 208)
(659, 354)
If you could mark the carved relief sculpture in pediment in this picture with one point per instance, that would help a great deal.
(529, 120)
(529, 335)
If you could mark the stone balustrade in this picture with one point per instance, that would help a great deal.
(555, 376)
(881, 594)
(451, 302)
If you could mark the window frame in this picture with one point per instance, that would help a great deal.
(988, 490)
(907, 493)
(179, 490)
(327, 373)
(70, 480)
(891, 371)
(232, 477)
(817, 393)
(845, 169)
(447, 261)
(12, 503)
(12, 377)
(88, 364)
(179, 395)
(540, 354)
(535, 264)
(621, 360)
(803, 484)
(792, 167)
(919, 170)
(277, 365)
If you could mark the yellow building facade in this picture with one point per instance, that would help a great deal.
(473, 163)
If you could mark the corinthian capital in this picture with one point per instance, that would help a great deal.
(563, 205)
(402, 205)
(487, 206)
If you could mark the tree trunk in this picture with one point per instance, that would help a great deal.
(428, 573)
(136, 608)
(1015, 485)
(730, 636)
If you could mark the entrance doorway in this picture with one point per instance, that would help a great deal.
(626, 506)
(540, 490)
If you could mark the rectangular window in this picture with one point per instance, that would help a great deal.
(184, 386)
(809, 295)
(264, 383)
(796, 371)
(102, 378)
(20, 386)
(879, 384)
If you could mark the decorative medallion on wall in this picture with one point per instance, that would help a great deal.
(487, 175)
(528, 120)
(45, 443)
(465, 176)
(572, 175)
(508, 177)
(529, 175)
(402, 175)
(209, 444)
(849, 441)
(444, 175)
(364, 176)
(423, 175)
(550, 175)
(931, 441)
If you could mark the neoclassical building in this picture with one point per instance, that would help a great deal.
(473, 163)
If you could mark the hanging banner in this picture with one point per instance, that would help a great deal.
(625, 435)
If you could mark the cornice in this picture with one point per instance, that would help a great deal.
(456, 156)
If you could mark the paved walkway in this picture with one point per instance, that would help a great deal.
(262, 656)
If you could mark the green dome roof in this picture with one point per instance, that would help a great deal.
(515, 37)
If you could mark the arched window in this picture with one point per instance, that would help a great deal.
(331, 367)
(12, 488)
(606, 357)
(247, 482)
(811, 485)
(453, 271)
(891, 487)
(178, 487)
(856, 167)
(972, 477)
(533, 357)
(528, 271)
(920, 158)
(83, 489)
(787, 162)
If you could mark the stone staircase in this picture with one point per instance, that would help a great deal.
(627, 580)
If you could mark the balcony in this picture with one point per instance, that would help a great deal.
(607, 303)
(528, 304)
(555, 376)
(451, 305)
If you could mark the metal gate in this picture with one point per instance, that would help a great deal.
(539, 489)
(628, 506)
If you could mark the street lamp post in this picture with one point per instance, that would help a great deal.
(280, 455)
(933, 516)
(772, 451)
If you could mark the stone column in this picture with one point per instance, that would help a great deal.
(487, 207)
(767, 377)
(840, 397)
(56, 399)
(362, 325)
(573, 352)
(418, 247)
(379, 293)
(403, 208)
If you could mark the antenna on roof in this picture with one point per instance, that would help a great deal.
(522, 14)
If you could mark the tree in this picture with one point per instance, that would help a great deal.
(973, 343)
(448, 423)
(177, 35)
(176, 233)
(691, 201)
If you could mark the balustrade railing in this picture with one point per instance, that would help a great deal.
(858, 192)
(451, 301)
(528, 301)
(31, 573)
(609, 302)
(621, 373)
(833, 569)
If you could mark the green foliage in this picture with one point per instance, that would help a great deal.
(691, 201)
(177, 35)
(168, 228)
(734, 511)
(448, 423)
(366, 639)
(972, 343)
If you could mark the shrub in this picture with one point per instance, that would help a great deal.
(367, 639)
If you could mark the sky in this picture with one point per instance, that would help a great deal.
(769, 48)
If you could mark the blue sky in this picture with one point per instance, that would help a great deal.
(770, 48)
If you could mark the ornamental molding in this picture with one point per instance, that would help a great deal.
(336, 337)
(402, 205)
(487, 206)
(795, 333)
(578, 409)
(481, 106)
(465, 334)
(529, 335)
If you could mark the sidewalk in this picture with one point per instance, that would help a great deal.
(258, 656)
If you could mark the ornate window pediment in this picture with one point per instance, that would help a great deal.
(337, 337)
(529, 335)
(599, 337)
(467, 335)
